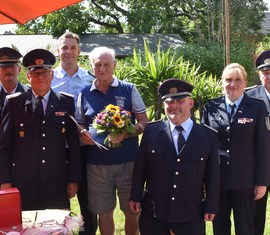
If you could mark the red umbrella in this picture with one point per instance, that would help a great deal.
(21, 11)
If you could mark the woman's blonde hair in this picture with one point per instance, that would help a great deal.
(235, 66)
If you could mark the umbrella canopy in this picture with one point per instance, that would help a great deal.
(21, 11)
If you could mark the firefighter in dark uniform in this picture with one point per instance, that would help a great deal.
(241, 122)
(9, 72)
(262, 92)
(37, 130)
(182, 176)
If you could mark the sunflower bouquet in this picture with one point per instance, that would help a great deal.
(114, 120)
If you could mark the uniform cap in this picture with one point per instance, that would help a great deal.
(9, 56)
(173, 89)
(38, 58)
(262, 61)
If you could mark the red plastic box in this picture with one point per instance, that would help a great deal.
(10, 209)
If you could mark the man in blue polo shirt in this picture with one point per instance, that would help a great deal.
(108, 171)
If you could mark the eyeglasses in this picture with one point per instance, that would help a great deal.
(43, 74)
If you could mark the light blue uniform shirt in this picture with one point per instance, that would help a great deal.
(62, 82)
(237, 103)
(187, 127)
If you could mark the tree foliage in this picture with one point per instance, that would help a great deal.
(194, 20)
(199, 23)
(211, 57)
(245, 19)
(74, 18)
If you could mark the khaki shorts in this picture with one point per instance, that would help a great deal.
(103, 183)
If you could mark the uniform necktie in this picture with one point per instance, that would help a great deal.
(232, 106)
(180, 140)
(39, 109)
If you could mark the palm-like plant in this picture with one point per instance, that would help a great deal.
(205, 88)
(147, 70)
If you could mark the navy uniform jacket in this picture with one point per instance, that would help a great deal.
(33, 155)
(259, 93)
(243, 144)
(175, 183)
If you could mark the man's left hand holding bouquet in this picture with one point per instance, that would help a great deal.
(118, 138)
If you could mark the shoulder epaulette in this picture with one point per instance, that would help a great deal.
(67, 94)
(11, 96)
(210, 128)
(250, 87)
(214, 99)
(256, 98)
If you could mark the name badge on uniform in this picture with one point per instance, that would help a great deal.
(216, 116)
(245, 120)
(60, 114)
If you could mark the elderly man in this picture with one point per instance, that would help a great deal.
(110, 171)
(36, 130)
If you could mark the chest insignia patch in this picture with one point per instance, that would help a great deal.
(245, 120)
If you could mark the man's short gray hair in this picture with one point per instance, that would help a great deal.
(97, 51)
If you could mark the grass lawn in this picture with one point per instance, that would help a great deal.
(119, 219)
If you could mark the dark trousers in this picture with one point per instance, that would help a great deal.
(242, 203)
(44, 201)
(150, 225)
(90, 220)
(260, 214)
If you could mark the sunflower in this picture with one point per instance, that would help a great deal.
(118, 121)
(112, 108)
(114, 120)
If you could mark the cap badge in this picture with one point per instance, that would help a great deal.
(267, 61)
(39, 61)
(173, 90)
